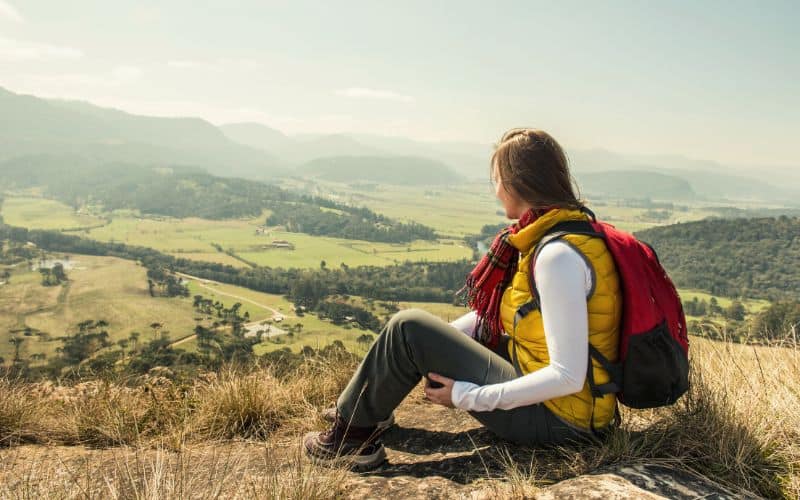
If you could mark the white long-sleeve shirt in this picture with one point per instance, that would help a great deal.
(564, 280)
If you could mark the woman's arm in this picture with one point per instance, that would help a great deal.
(563, 280)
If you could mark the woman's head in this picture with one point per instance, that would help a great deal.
(530, 170)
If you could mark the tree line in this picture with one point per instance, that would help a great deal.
(757, 258)
(356, 225)
(181, 192)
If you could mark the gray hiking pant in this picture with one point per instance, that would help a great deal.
(414, 343)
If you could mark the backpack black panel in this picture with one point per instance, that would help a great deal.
(660, 373)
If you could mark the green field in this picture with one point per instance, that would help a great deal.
(116, 290)
(463, 209)
(751, 305)
(99, 288)
(453, 211)
(193, 238)
(42, 213)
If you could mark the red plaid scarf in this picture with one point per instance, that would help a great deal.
(487, 282)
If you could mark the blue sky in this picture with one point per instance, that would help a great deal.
(710, 80)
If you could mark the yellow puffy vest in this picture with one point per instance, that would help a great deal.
(604, 308)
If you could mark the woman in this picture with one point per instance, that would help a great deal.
(547, 400)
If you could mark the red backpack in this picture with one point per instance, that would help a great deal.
(653, 365)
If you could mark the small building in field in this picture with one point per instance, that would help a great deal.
(282, 244)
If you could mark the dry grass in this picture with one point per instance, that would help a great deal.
(739, 425)
(250, 406)
(20, 414)
(229, 471)
(237, 403)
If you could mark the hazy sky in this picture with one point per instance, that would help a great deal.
(711, 80)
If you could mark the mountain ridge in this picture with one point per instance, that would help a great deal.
(34, 125)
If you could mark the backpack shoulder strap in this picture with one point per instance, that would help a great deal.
(556, 233)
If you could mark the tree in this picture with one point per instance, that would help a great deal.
(736, 311)
(156, 326)
(58, 272)
(134, 338)
(714, 308)
(205, 339)
(778, 320)
(17, 343)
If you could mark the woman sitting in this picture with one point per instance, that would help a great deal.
(524, 377)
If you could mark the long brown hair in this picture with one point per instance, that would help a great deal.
(532, 164)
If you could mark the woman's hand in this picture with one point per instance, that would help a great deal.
(442, 395)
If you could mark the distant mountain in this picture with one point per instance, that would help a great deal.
(73, 129)
(32, 125)
(708, 179)
(721, 185)
(400, 170)
(256, 135)
(310, 147)
(470, 160)
(678, 184)
(296, 149)
(636, 184)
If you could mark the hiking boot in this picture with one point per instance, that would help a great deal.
(329, 415)
(355, 447)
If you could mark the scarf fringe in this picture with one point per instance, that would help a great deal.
(486, 283)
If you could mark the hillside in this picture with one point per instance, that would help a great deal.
(406, 170)
(32, 125)
(757, 257)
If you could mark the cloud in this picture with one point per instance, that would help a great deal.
(9, 12)
(367, 93)
(126, 73)
(17, 50)
(214, 65)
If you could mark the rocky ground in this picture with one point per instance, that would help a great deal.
(435, 452)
